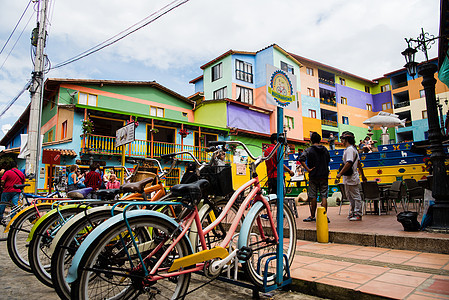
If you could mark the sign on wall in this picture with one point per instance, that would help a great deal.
(125, 135)
(281, 88)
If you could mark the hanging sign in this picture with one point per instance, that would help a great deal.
(281, 88)
(125, 135)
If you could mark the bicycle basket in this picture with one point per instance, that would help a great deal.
(220, 179)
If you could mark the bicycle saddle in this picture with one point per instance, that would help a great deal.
(79, 194)
(136, 187)
(107, 194)
(20, 186)
(190, 191)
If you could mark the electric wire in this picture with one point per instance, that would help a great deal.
(10, 51)
(8, 105)
(15, 27)
(153, 17)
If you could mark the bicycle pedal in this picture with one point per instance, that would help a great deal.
(244, 253)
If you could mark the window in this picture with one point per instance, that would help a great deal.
(50, 136)
(52, 102)
(369, 107)
(220, 94)
(289, 122)
(424, 114)
(87, 99)
(217, 72)
(345, 120)
(287, 68)
(344, 100)
(312, 113)
(64, 130)
(386, 105)
(244, 95)
(422, 94)
(309, 71)
(385, 88)
(367, 89)
(342, 81)
(156, 111)
(243, 71)
(311, 92)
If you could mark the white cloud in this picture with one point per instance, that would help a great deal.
(360, 36)
(6, 128)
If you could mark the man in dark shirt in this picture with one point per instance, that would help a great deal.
(318, 158)
(272, 166)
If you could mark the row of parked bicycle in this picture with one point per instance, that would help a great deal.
(148, 243)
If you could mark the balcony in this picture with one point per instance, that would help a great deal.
(401, 104)
(329, 101)
(399, 85)
(105, 145)
(329, 123)
(326, 81)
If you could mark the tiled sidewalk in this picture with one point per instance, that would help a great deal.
(397, 274)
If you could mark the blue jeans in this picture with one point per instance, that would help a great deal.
(12, 197)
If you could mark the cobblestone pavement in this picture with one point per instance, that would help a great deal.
(18, 285)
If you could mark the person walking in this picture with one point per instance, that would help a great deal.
(10, 194)
(331, 141)
(350, 173)
(315, 160)
(271, 165)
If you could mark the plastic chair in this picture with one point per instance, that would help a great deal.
(396, 193)
(415, 193)
(371, 194)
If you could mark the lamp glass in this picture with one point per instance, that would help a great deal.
(409, 54)
(412, 68)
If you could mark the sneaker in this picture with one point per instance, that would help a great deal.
(309, 219)
(356, 218)
(350, 215)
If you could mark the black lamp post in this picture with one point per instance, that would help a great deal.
(440, 187)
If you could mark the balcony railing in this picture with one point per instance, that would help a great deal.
(398, 85)
(326, 81)
(402, 104)
(105, 145)
(331, 102)
(329, 123)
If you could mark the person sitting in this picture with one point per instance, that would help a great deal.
(368, 145)
(113, 183)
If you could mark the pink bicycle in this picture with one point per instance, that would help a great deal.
(146, 253)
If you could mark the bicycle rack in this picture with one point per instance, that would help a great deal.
(286, 280)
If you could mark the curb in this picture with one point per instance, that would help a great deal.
(422, 244)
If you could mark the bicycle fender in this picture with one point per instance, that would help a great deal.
(244, 231)
(73, 270)
(50, 213)
(75, 219)
(20, 213)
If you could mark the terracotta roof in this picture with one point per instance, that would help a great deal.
(230, 52)
(196, 79)
(64, 152)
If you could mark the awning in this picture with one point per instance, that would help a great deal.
(64, 152)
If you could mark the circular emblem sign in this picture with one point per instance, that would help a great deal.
(281, 88)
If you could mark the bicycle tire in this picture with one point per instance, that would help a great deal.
(38, 254)
(18, 234)
(3, 234)
(99, 253)
(67, 246)
(262, 249)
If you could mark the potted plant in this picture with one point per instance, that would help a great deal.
(87, 126)
(184, 133)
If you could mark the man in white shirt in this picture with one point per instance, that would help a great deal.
(350, 175)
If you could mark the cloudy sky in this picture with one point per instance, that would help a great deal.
(363, 37)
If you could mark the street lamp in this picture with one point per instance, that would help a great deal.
(440, 187)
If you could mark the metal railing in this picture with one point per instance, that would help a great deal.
(331, 102)
(105, 145)
(326, 81)
(329, 123)
(402, 104)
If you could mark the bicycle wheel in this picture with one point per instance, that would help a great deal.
(216, 235)
(263, 244)
(105, 271)
(6, 219)
(18, 233)
(66, 247)
(38, 250)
